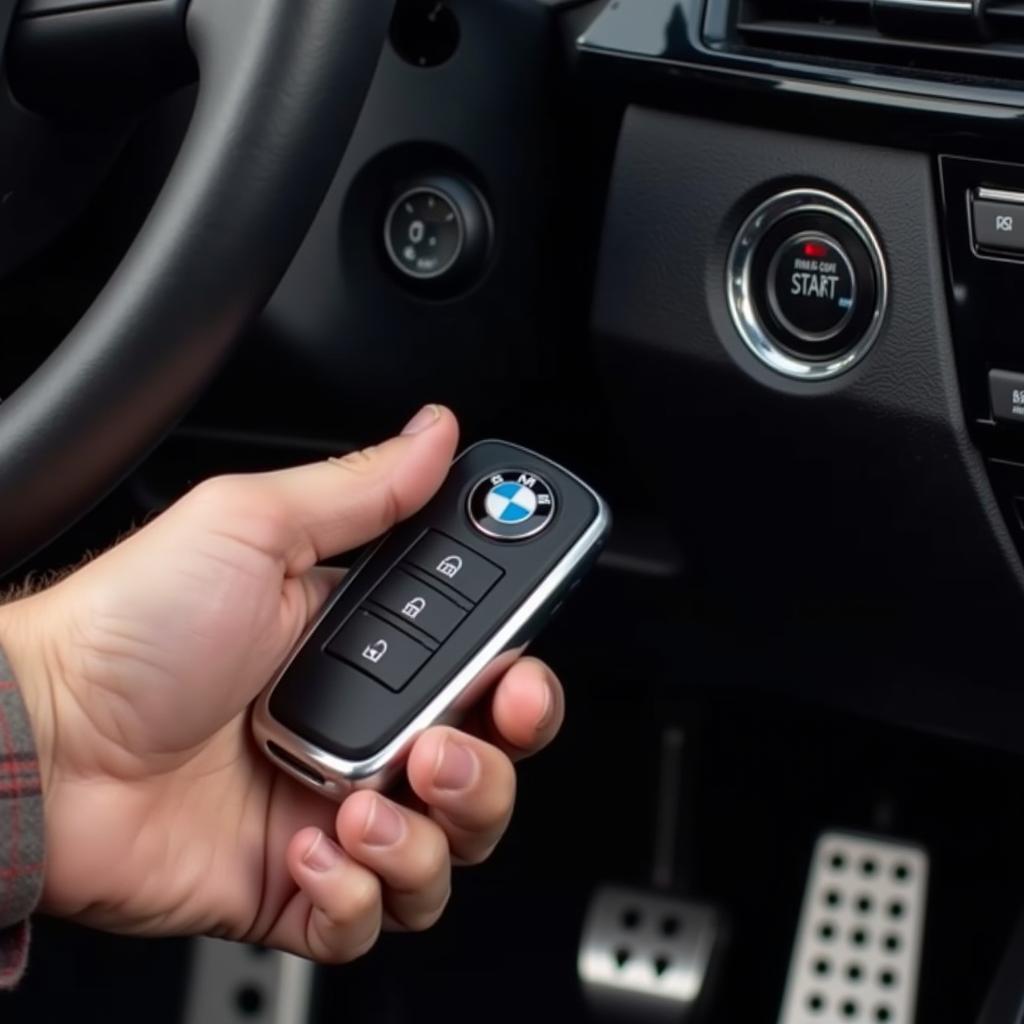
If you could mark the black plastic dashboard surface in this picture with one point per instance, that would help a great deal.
(850, 525)
(675, 35)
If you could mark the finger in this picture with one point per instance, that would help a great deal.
(317, 585)
(337, 915)
(527, 709)
(468, 786)
(406, 850)
(309, 513)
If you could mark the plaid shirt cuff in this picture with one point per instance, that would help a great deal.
(21, 828)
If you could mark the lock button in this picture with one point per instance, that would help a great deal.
(455, 565)
(418, 605)
(378, 649)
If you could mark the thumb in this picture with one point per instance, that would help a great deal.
(312, 512)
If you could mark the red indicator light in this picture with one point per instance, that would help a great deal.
(815, 250)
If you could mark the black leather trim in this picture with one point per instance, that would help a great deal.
(281, 84)
(90, 64)
(6, 17)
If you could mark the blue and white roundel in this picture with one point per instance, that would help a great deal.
(511, 505)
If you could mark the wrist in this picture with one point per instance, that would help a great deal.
(32, 656)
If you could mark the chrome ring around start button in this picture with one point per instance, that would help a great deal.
(739, 286)
(512, 504)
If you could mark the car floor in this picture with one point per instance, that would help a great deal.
(763, 777)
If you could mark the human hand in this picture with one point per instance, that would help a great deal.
(161, 815)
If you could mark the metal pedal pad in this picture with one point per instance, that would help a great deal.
(232, 982)
(645, 956)
(858, 945)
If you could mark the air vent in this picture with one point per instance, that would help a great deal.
(955, 37)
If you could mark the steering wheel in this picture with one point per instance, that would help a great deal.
(281, 83)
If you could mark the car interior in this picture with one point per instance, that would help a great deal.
(749, 268)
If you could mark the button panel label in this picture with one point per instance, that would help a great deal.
(811, 287)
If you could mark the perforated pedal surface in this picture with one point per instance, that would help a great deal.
(644, 955)
(233, 983)
(858, 945)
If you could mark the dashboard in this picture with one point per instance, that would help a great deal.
(809, 245)
(751, 266)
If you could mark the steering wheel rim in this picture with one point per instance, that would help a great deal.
(281, 84)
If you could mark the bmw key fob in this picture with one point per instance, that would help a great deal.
(430, 618)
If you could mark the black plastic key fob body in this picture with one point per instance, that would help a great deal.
(430, 618)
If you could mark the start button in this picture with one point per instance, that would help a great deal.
(807, 285)
(812, 288)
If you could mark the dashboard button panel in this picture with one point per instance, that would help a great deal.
(1006, 392)
(998, 221)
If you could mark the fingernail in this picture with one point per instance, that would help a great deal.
(384, 825)
(547, 707)
(426, 417)
(456, 766)
(323, 854)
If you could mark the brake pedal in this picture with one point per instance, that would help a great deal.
(233, 983)
(858, 944)
(647, 954)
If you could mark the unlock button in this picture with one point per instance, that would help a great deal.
(379, 650)
(419, 605)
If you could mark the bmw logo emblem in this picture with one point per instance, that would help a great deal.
(511, 505)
